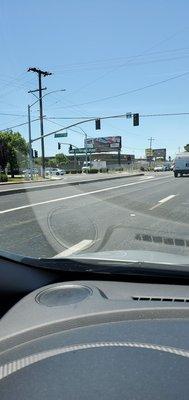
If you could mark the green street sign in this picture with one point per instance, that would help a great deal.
(81, 150)
(63, 134)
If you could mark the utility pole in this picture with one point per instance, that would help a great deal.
(151, 139)
(86, 149)
(40, 74)
(30, 145)
(119, 157)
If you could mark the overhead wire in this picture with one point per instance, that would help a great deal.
(18, 125)
(108, 60)
(135, 63)
(109, 117)
(146, 51)
(132, 90)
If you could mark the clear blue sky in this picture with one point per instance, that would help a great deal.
(98, 49)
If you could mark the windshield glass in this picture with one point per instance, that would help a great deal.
(94, 153)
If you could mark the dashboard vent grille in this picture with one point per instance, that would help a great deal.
(161, 299)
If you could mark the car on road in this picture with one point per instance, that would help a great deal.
(55, 171)
(181, 164)
(159, 168)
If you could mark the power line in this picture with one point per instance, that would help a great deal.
(93, 117)
(16, 126)
(88, 116)
(132, 90)
(130, 63)
(163, 115)
(70, 129)
(108, 60)
(146, 51)
(13, 115)
(123, 115)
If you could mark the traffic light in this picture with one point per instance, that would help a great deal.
(32, 154)
(35, 153)
(70, 148)
(97, 124)
(59, 146)
(135, 119)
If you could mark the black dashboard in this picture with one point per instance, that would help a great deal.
(90, 339)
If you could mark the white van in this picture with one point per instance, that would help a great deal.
(181, 164)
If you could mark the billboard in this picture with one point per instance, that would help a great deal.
(156, 153)
(109, 143)
(159, 153)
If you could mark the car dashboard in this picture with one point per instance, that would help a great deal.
(96, 339)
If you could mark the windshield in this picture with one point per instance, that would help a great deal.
(94, 153)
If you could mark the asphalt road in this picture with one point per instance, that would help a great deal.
(149, 212)
(60, 180)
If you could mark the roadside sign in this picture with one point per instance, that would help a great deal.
(63, 134)
(102, 144)
(129, 115)
(81, 150)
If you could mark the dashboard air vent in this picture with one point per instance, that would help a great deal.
(161, 299)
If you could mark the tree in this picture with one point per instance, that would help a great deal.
(13, 148)
(51, 163)
(186, 148)
(61, 160)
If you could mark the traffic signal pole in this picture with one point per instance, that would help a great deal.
(150, 140)
(80, 123)
(86, 152)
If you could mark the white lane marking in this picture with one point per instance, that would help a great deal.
(75, 196)
(65, 183)
(162, 201)
(84, 244)
(132, 215)
(167, 198)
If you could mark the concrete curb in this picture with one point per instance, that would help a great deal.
(56, 185)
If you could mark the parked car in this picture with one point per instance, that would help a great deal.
(159, 168)
(55, 171)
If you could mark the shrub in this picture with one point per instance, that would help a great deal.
(3, 177)
(120, 169)
(103, 170)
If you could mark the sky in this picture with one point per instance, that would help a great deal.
(111, 57)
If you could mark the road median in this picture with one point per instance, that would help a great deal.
(46, 185)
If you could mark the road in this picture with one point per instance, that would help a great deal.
(149, 212)
(56, 181)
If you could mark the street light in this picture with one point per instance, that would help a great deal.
(86, 155)
(29, 126)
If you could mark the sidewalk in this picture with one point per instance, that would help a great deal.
(21, 187)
